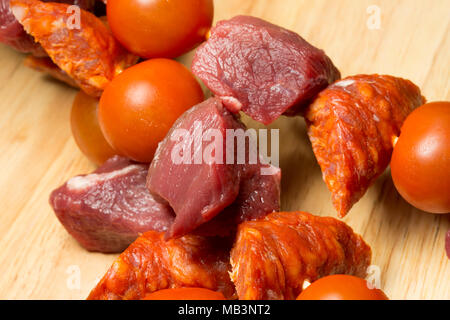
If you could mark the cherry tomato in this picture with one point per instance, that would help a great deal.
(86, 129)
(139, 106)
(160, 28)
(341, 287)
(185, 294)
(420, 164)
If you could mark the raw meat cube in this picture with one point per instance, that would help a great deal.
(262, 69)
(107, 210)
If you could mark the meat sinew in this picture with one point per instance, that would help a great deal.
(262, 69)
(199, 189)
(107, 210)
(273, 256)
(352, 126)
(151, 264)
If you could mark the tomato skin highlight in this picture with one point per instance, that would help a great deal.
(86, 129)
(341, 287)
(185, 294)
(140, 105)
(420, 164)
(160, 28)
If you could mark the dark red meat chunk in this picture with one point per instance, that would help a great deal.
(107, 210)
(198, 192)
(262, 69)
(258, 195)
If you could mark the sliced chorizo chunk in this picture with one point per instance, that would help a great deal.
(87, 52)
(151, 263)
(273, 256)
(352, 126)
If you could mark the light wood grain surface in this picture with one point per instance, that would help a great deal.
(39, 260)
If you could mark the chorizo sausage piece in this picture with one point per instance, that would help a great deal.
(87, 52)
(352, 126)
(273, 256)
(151, 263)
(13, 34)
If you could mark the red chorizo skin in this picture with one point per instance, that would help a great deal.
(352, 126)
(13, 34)
(151, 263)
(273, 256)
(89, 54)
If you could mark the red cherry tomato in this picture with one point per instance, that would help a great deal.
(185, 294)
(341, 287)
(160, 28)
(420, 164)
(86, 129)
(140, 105)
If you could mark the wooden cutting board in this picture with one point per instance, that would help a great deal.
(39, 260)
